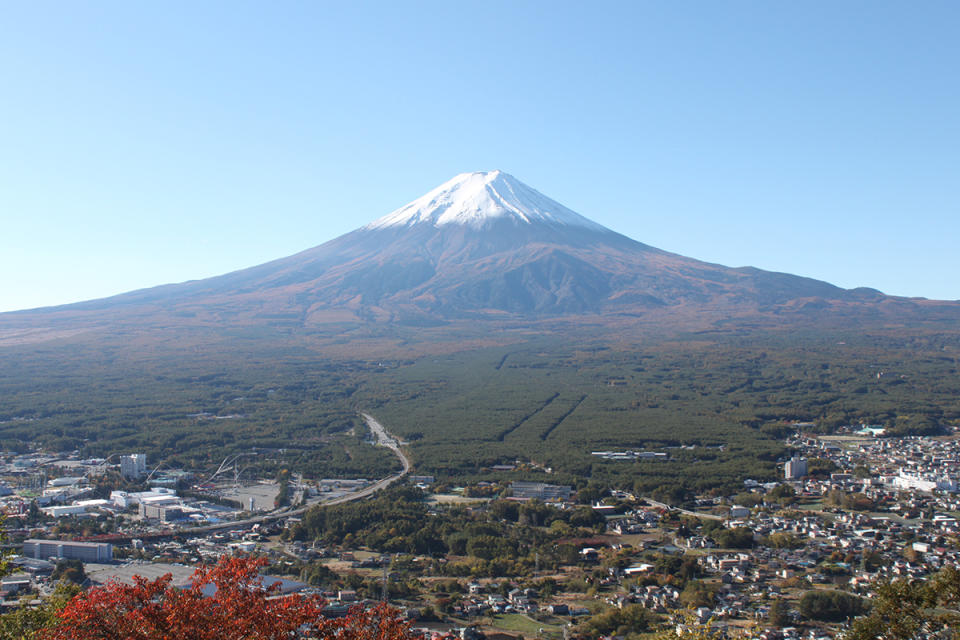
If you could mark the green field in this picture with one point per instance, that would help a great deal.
(520, 623)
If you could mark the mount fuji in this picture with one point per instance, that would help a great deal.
(480, 199)
(486, 246)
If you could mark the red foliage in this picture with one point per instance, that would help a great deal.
(240, 609)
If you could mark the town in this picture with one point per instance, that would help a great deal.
(791, 559)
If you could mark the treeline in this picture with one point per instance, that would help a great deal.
(508, 538)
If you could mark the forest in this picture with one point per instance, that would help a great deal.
(720, 402)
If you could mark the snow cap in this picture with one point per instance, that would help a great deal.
(478, 198)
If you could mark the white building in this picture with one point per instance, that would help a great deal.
(133, 466)
(66, 481)
(795, 468)
(927, 483)
(163, 506)
(124, 499)
(85, 551)
(77, 508)
(64, 510)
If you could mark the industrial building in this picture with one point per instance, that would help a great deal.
(85, 551)
(541, 491)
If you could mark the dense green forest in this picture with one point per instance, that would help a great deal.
(718, 402)
(191, 408)
(723, 403)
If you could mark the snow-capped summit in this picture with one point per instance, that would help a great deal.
(478, 198)
(486, 246)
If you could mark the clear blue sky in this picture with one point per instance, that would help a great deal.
(145, 143)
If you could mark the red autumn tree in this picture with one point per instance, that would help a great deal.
(241, 608)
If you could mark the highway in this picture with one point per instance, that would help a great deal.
(383, 438)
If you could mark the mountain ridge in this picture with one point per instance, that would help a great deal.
(485, 246)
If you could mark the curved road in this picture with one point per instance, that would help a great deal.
(384, 439)
(695, 514)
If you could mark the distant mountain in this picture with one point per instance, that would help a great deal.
(486, 246)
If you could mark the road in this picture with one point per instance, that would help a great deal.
(384, 439)
(695, 514)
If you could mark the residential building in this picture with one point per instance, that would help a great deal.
(133, 466)
(795, 468)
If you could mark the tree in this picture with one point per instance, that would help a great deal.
(779, 614)
(282, 498)
(853, 501)
(319, 575)
(631, 619)
(687, 627)
(830, 606)
(912, 609)
(4, 567)
(26, 621)
(747, 499)
(783, 494)
(589, 494)
(736, 538)
(240, 607)
(71, 570)
(783, 540)
(34, 515)
(698, 594)
(821, 467)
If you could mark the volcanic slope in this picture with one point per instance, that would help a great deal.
(486, 246)
(484, 323)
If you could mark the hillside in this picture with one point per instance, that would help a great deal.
(487, 324)
(483, 247)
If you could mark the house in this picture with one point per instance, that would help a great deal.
(589, 554)
(15, 584)
(737, 511)
(636, 569)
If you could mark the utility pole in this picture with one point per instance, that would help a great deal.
(383, 584)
